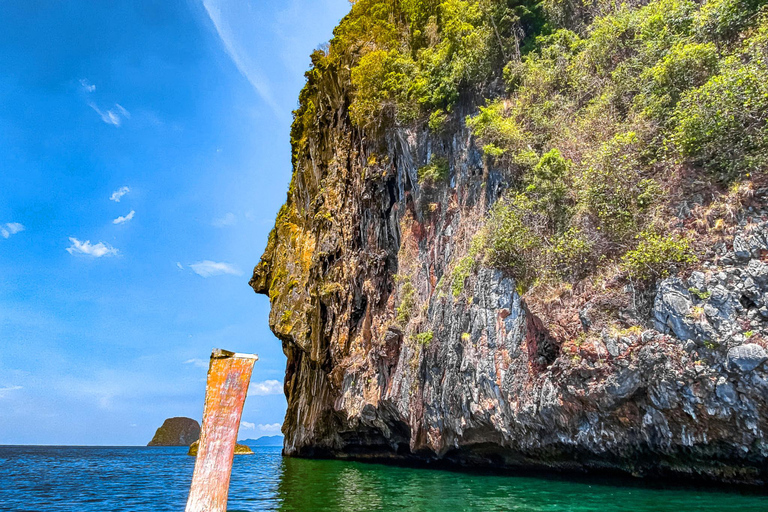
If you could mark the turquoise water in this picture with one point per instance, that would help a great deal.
(157, 479)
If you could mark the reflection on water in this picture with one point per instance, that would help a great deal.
(349, 486)
(58, 479)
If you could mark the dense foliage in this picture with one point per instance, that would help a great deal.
(618, 114)
(591, 111)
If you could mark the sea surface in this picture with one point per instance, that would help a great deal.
(50, 479)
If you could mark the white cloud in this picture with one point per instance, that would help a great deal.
(267, 387)
(86, 85)
(209, 268)
(96, 250)
(228, 220)
(269, 429)
(238, 51)
(113, 116)
(11, 228)
(199, 363)
(122, 111)
(126, 218)
(179, 265)
(247, 425)
(8, 389)
(117, 194)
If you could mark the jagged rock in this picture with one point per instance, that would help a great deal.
(747, 357)
(624, 383)
(177, 431)
(672, 310)
(240, 449)
(741, 247)
(726, 392)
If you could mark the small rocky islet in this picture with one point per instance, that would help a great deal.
(240, 449)
(177, 431)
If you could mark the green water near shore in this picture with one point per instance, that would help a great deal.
(322, 485)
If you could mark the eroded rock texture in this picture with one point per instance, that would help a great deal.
(385, 360)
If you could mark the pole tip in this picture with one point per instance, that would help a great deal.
(219, 353)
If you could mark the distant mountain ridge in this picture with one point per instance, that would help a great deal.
(264, 441)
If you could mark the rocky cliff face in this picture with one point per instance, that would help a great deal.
(177, 431)
(386, 361)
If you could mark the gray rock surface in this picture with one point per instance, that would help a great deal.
(746, 357)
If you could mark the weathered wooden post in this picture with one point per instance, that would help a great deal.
(229, 375)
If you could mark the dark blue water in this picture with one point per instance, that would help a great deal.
(86, 479)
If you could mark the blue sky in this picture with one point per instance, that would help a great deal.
(144, 152)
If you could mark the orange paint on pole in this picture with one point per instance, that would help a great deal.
(229, 375)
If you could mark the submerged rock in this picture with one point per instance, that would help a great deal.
(177, 431)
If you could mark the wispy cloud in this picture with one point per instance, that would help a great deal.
(179, 265)
(247, 425)
(11, 228)
(113, 116)
(119, 193)
(125, 218)
(237, 51)
(209, 268)
(267, 387)
(96, 250)
(227, 220)
(86, 85)
(7, 389)
(199, 363)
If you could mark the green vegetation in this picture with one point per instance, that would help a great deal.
(654, 256)
(699, 294)
(407, 301)
(424, 338)
(435, 172)
(513, 241)
(615, 109)
(721, 126)
(461, 273)
(591, 111)
(411, 60)
(467, 264)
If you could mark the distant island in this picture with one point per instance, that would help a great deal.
(264, 441)
(179, 431)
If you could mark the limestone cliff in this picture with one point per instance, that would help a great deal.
(404, 343)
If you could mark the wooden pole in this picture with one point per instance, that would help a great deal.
(229, 375)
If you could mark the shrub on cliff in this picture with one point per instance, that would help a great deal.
(410, 58)
(722, 125)
(643, 91)
(436, 171)
(656, 255)
(514, 238)
(615, 187)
